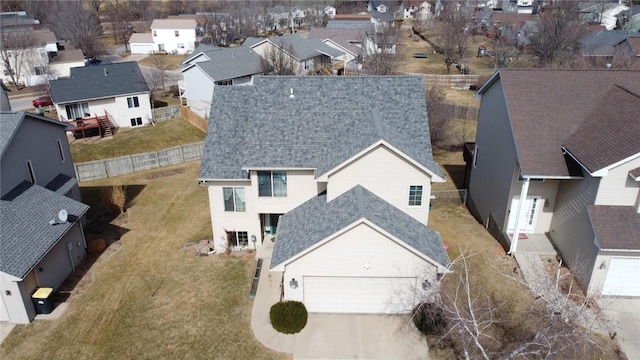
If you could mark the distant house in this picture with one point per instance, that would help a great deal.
(604, 13)
(417, 9)
(117, 91)
(41, 245)
(28, 52)
(349, 238)
(211, 66)
(350, 41)
(61, 64)
(308, 54)
(602, 46)
(330, 11)
(172, 36)
(563, 166)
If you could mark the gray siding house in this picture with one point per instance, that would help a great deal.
(556, 158)
(38, 247)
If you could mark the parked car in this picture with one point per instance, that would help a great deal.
(42, 101)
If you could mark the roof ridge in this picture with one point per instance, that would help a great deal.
(378, 123)
(359, 192)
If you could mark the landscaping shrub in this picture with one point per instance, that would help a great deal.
(96, 246)
(115, 198)
(429, 319)
(288, 317)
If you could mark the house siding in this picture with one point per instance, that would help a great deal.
(491, 179)
(346, 256)
(547, 190)
(35, 140)
(54, 268)
(601, 266)
(18, 304)
(617, 188)
(387, 175)
(168, 38)
(199, 88)
(301, 186)
(571, 228)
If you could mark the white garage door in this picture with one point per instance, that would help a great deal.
(622, 277)
(358, 294)
(141, 48)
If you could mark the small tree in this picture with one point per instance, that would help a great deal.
(288, 317)
(439, 122)
(16, 50)
(279, 59)
(380, 51)
(158, 76)
(80, 26)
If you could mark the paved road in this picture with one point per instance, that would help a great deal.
(22, 103)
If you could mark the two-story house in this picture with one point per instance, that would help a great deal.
(116, 91)
(557, 157)
(167, 36)
(340, 178)
(350, 41)
(25, 56)
(42, 240)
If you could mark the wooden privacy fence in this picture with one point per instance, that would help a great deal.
(452, 111)
(461, 81)
(165, 113)
(194, 119)
(456, 197)
(133, 163)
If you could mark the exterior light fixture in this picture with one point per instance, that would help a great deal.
(293, 283)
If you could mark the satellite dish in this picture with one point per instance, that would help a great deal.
(63, 216)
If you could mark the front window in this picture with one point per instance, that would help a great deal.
(155, 33)
(415, 195)
(136, 121)
(272, 183)
(77, 111)
(234, 199)
(177, 33)
(43, 52)
(40, 70)
(180, 46)
(133, 102)
(238, 238)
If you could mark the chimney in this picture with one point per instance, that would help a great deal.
(105, 72)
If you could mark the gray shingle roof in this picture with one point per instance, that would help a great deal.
(601, 43)
(351, 24)
(61, 184)
(317, 219)
(343, 37)
(90, 82)
(329, 120)
(202, 48)
(10, 122)
(610, 133)
(305, 48)
(617, 227)
(231, 63)
(547, 106)
(26, 233)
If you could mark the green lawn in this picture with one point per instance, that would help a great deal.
(201, 309)
(163, 135)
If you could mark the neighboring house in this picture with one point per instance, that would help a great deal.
(308, 54)
(349, 41)
(563, 164)
(211, 66)
(604, 13)
(601, 46)
(5, 105)
(62, 63)
(632, 22)
(28, 52)
(38, 247)
(349, 21)
(630, 46)
(417, 9)
(342, 179)
(18, 21)
(173, 36)
(330, 11)
(117, 91)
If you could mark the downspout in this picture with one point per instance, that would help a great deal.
(516, 229)
(70, 252)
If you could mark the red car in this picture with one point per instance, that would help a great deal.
(42, 101)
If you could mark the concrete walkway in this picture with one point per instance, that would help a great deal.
(332, 336)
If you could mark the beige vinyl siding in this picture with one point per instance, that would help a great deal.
(617, 188)
(547, 191)
(361, 251)
(223, 221)
(602, 263)
(301, 186)
(387, 175)
(571, 228)
(490, 181)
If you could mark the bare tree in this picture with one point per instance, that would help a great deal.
(279, 59)
(16, 49)
(559, 31)
(70, 20)
(454, 30)
(120, 15)
(158, 75)
(439, 123)
(380, 51)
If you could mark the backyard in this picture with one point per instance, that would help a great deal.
(163, 135)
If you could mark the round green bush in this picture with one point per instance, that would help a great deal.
(288, 317)
(429, 319)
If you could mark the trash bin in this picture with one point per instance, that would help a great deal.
(42, 300)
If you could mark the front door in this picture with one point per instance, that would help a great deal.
(527, 217)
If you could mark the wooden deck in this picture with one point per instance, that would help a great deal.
(98, 122)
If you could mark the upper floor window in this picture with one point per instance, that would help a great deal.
(133, 102)
(180, 46)
(272, 183)
(60, 150)
(177, 33)
(31, 173)
(415, 195)
(475, 156)
(234, 199)
(155, 33)
(40, 70)
(43, 52)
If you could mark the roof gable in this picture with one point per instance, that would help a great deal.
(610, 133)
(316, 220)
(328, 120)
(617, 227)
(174, 24)
(11, 122)
(27, 236)
(97, 82)
(231, 63)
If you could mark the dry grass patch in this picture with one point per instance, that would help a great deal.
(163, 135)
(151, 299)
(171, 62)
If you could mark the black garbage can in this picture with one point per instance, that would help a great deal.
(42, 300)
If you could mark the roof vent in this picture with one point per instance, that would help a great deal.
(291, 96)
(607, 66)
(105, 72)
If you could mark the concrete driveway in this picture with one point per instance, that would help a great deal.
(359, 337)
(625, 321)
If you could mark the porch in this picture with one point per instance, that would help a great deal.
(90, 125)
(535, 243)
